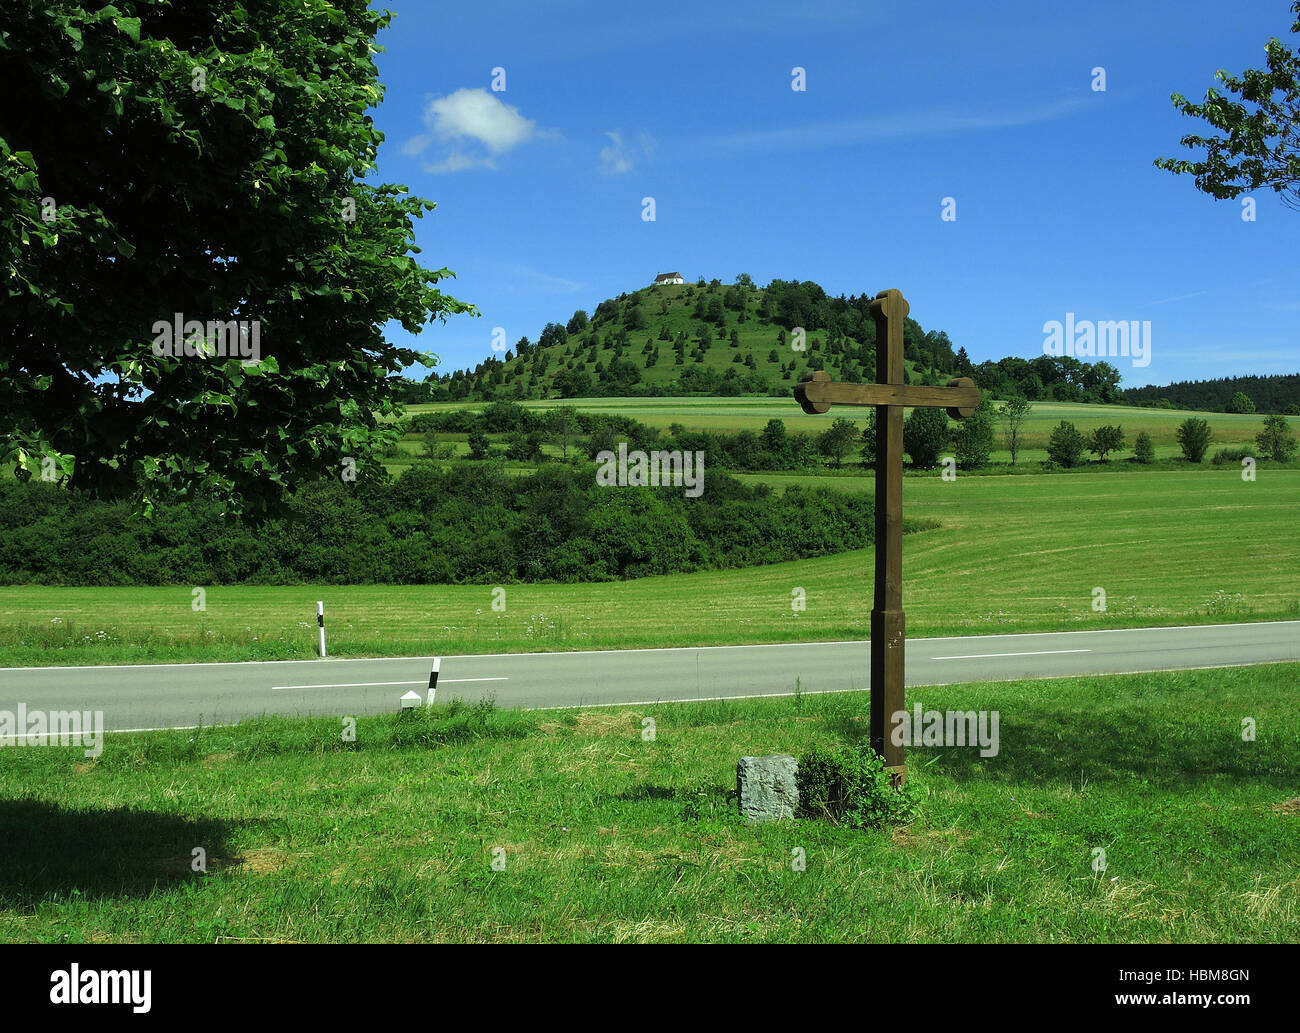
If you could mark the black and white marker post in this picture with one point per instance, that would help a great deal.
(433, 677)
(320, 623)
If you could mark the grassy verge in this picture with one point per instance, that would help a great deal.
(1010, 554)
(609, 837)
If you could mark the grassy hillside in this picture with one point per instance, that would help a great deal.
(602, 836)
(741, 346)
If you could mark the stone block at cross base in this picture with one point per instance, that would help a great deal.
(767, 787)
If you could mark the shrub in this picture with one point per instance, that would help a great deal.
(1143, 451)
(973, 439)
(1241, 403)
(849, 785)
(1106, 439)
(1230, 455)
(1276, 440)
(468, 523)
(837, 440)
(1193, 438)
(479, 445)
(524, 447)
(925, 435)
(1066, 444)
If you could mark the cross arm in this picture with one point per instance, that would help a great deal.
(819, 393)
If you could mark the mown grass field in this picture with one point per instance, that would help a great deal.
(736, 414)
(1010, 554)
(608, 837)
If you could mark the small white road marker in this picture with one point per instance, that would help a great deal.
(433, 678)
(320, 622)
(410, 700)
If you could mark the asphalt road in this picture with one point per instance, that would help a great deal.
(185, 695)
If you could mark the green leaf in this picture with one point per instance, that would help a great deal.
(130, 26)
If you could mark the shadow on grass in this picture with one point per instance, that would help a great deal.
(1112, 747)
(696, 803)
(52, 852)
(649, 792)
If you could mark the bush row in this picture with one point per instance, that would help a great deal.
(592, 433)
(469, 523)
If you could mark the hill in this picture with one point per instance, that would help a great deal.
(1270, 394)
(711, 338)
(701, 338)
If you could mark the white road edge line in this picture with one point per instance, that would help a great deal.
(368, 684)
(753, 695)
(1036, 652)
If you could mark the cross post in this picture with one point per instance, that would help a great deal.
(890, 396)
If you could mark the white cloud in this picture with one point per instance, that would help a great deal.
(476, 125)
(459, 163)
(616, 156)
(416, 144)
(619, 156)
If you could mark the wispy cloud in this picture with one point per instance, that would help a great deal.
(619, 155)
(921, 123)
(475, 126)
(524, 280)
(1177, 297)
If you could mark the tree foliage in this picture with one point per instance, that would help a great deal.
(1240, 403)
(1258, 145)
(1013, 413)
(208, 160)
(465, 524)
(1193, 436)
(1268, 393)
(1104, 440)
(837, 441)
(869, 438)
(925, 435)
(1143, 450)
(972, 440)
(1065, 445)
(1276, 440)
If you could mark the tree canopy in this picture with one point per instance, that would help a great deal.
(196, 165)
(1259, 142)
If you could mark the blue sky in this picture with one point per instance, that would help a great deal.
(1058, 206)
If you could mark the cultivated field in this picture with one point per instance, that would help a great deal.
(607, 837)
(735, 414)
(1010, 554)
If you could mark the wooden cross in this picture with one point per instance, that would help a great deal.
(889, 394)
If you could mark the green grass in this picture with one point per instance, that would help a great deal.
(735, 414)
(1011, 554)
(608, 837)
(672, 307)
